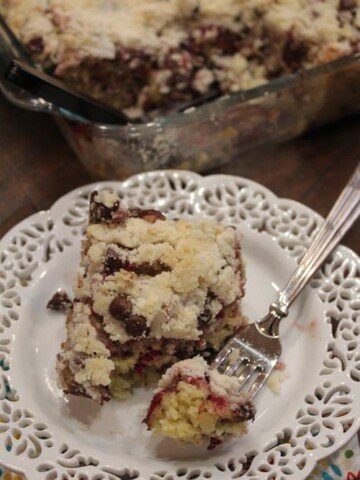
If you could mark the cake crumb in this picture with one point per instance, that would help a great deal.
(60, 302)
(310, 327)
(276, 379)
(280, 366)
(83, 426)
(233, 356)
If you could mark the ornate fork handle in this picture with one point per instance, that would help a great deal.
(342, 216)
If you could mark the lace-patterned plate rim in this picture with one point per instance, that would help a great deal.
(327, 416)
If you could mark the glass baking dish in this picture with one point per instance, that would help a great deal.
(215, 133)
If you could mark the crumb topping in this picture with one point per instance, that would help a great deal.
(194, 367)
(107, 198)
(95, 371)
(191, 259)
(82, 336)
(307, 32)
(93, 25)
(84, 357)
(219, 384)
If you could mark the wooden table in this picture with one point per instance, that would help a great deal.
(37, 166)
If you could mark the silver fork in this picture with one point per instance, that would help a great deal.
(253, 352)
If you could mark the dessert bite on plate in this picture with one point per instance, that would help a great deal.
(150, 292)
(198, 405)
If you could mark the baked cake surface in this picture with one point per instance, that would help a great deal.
(146, 54)
(150, 292)
(198, 405)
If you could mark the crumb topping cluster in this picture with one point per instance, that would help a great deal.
(219, 384)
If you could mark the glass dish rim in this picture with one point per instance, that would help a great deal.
(273, 86)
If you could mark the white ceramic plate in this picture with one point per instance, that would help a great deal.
(48, 437)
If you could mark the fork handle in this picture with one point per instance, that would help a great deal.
(341, 217)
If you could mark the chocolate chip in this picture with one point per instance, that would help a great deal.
(195, 11)
(246, 410)
(135, 325)
(294, 52)
(147, 268)
(206, 315)
(214, 442)
(120, 307)
(112, 262)
(79, 362)
(99, 212)
(184, 350)
(150, 216)
(347, 5)
(36, 45)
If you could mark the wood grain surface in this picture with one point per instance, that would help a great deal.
(37, 166)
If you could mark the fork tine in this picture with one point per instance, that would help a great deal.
(221, 357)
(249, 356)
(258, 383)
(245, 374)
(234, 366)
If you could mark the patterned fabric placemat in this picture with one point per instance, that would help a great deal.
(343, 465)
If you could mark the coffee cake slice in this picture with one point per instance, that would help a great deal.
(150, 292)
(198, 405)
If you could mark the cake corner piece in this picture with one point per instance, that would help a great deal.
(198, 405)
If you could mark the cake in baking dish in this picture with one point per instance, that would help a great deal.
(149, 54)
(150, 292)
(198, 405)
